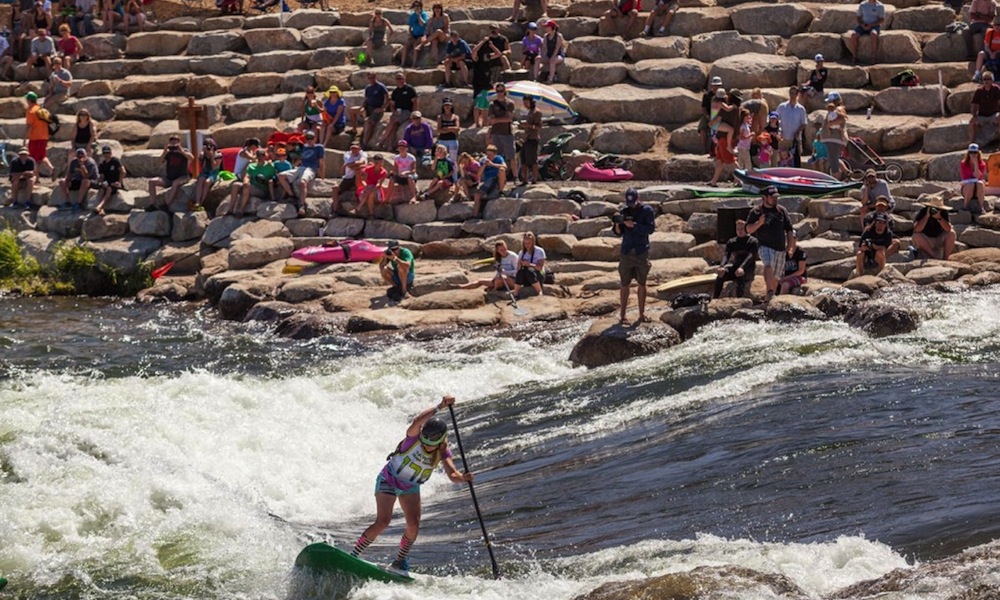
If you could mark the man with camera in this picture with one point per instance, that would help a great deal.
(932, 231)
(739, 262)
(876, 245)
(634, 223)
(177, 171)
(396, 268)
(770, 224)
(81, 177)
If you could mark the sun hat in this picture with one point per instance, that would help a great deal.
(937, 203)
(333, 90)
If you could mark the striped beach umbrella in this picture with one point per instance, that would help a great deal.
(549, 101)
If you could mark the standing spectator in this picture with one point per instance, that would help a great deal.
(312, 112)
(445, 173)
(663, 11)
(972, 172)
(60, 81)
(739, 262)
(438, 29)
(22, 178)
(532, 126)
(744, 141)
(334, 114)
(706, 114)
(378, 28)
(553, 50)
(531, 271)
(531, 49)
(402, 102)
(111, 176)
(534, 10)
(209, 165)
(419, 137)
(418, 31)
(397, 269)
(456, 55)
(111, 11)
(792, 121)
(373, 176)
(82, 21)
(482, 80)
(981, 14)
(375, 103)
(932, 231)
(69, 46)
(258, 182)
(871, 14)
(84, 134)
(985, 107)
(501, 135)
(354, 161)
(623, 9)
(37, 134)
(635, 223)
(817, 77)
(877, 244)
(448, 127)
(770, 224)
(82, 176)
(134, 17)
(492, 179)
(795, 268)
(404, 173)
(499, 62)
(42, 49)
(834, 134)
(177, 163)
(313, 165)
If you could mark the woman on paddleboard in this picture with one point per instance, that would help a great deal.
(409, 466)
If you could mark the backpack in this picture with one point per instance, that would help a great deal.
(687, 299)
(905, 78)
(51, 120)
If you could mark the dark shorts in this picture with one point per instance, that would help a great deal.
(374, 115)
(529, 152)
(530, 57)
(488, 186)
(75, 184)
(862, 31)
(347, 185)
(401, 180)
(527, 277)
(634, 266)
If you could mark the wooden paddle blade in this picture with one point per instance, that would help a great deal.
(161, 271)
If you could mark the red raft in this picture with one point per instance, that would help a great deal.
(346, 251)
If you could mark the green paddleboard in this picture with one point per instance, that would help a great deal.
(325, 558)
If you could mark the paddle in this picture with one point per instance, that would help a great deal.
(472, 490)
(520, 312)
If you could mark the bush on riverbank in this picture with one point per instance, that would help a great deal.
(76, 270)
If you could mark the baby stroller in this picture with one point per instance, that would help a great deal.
(860, 157)
(552, 166)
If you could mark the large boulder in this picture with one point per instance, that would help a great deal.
(895, 47)
(211, 43)
(670, 73)
(787, 309)
(638, 105)
(226, 64)
(710, 47)
(670, 245)
(661, 47)
(945, 47)
(251, 253)
(923, 100)
(124, 254)
(278, 61)
(944, 167)
(879, 319)
(891, 133)
(591, 75)
(326, 37)
(598, 249)
(842, 18)
(691, 22)
(625, 138)
(596, 49)
(152, 86)
(688, 320)
(783, 20)
(270, 40)
(930, 18)
(608, 342)
(748, 71)
(808, 45)
(157, 43)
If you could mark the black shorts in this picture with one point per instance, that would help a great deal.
(347, 185)
(529, 152)
(401, 180)
(526, 276)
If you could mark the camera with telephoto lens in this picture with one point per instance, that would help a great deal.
(933, 211)
(867, 244)
(621, 216)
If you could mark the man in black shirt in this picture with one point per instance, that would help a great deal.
(402, 101)
(22, 178)
(932, 231)
(739, 262)
(770, 224)
(177, 171)
(81, 176)
(111, 176)
(876, 245)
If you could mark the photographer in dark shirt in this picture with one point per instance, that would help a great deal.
(634, 223)
(876, 245)
(770, 224)
(932, 231)
(739, 262)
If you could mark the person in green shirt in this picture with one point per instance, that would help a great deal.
(397, 267)
(258, 181)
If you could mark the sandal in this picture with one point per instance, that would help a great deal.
(644, 319)
(623, 322)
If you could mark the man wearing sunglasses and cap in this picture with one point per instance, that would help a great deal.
(876, 245)
(22, 178)
(397, 268)
(82, 176)
(635, 223)
(769, 223)
(932, 231)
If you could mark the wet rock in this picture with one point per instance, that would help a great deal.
(879, 319)
(306, 326)
(788, 309)
(236, 301)
(688, 320)
(837, 303)
(164, 292)
(608, 342)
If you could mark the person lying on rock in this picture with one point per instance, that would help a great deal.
(877, 244)
(932, 231)
(739, 262)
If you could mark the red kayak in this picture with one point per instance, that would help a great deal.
(346, 251)
(588, 172)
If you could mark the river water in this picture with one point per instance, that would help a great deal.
(156, 452)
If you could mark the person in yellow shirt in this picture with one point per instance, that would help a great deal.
(37, 134)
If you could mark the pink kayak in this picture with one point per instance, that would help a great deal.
(346, 251)
(588, 172)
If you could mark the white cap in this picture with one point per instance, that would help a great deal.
(716, 80)
(818, 58)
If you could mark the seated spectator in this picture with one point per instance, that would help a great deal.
(456, 55)
(69, 47)
(404, 173)
(134, 17)
(988, 58)
(871, 189)
(279, 156)
(257, 182)
(82, 21)
(985, 106)
(334, 115)
(373, 176)
(533, 10)
(397, 269)
(627, 10)
(419, 137)
(417, 24)
(81, 177)
(468, 177)
(502, 45)
(817, 78)
(177, 163)
(506, 263)
(312, 112)
(112, 12)
(22, 178)
(531, 49)
(663, 11)
(354, 161)
(371, 110)
(981, 15)
(501, 133)
(739, 262)
(312, 163)
(972, 172)
(492, 179)
(448, 126)
(531, 267)
(932, 231)
(60, 82)
(553, 50)
(438, 30)
(876, 245)
(37, 17)
(209, 165)
(43, 49)
(795, 269)
(445, 173)
(6, 57)
(871, 14)
(881, 208)
(84, 134)
(402, 101)
(379, 29)
(111, 176)
(246, 155)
